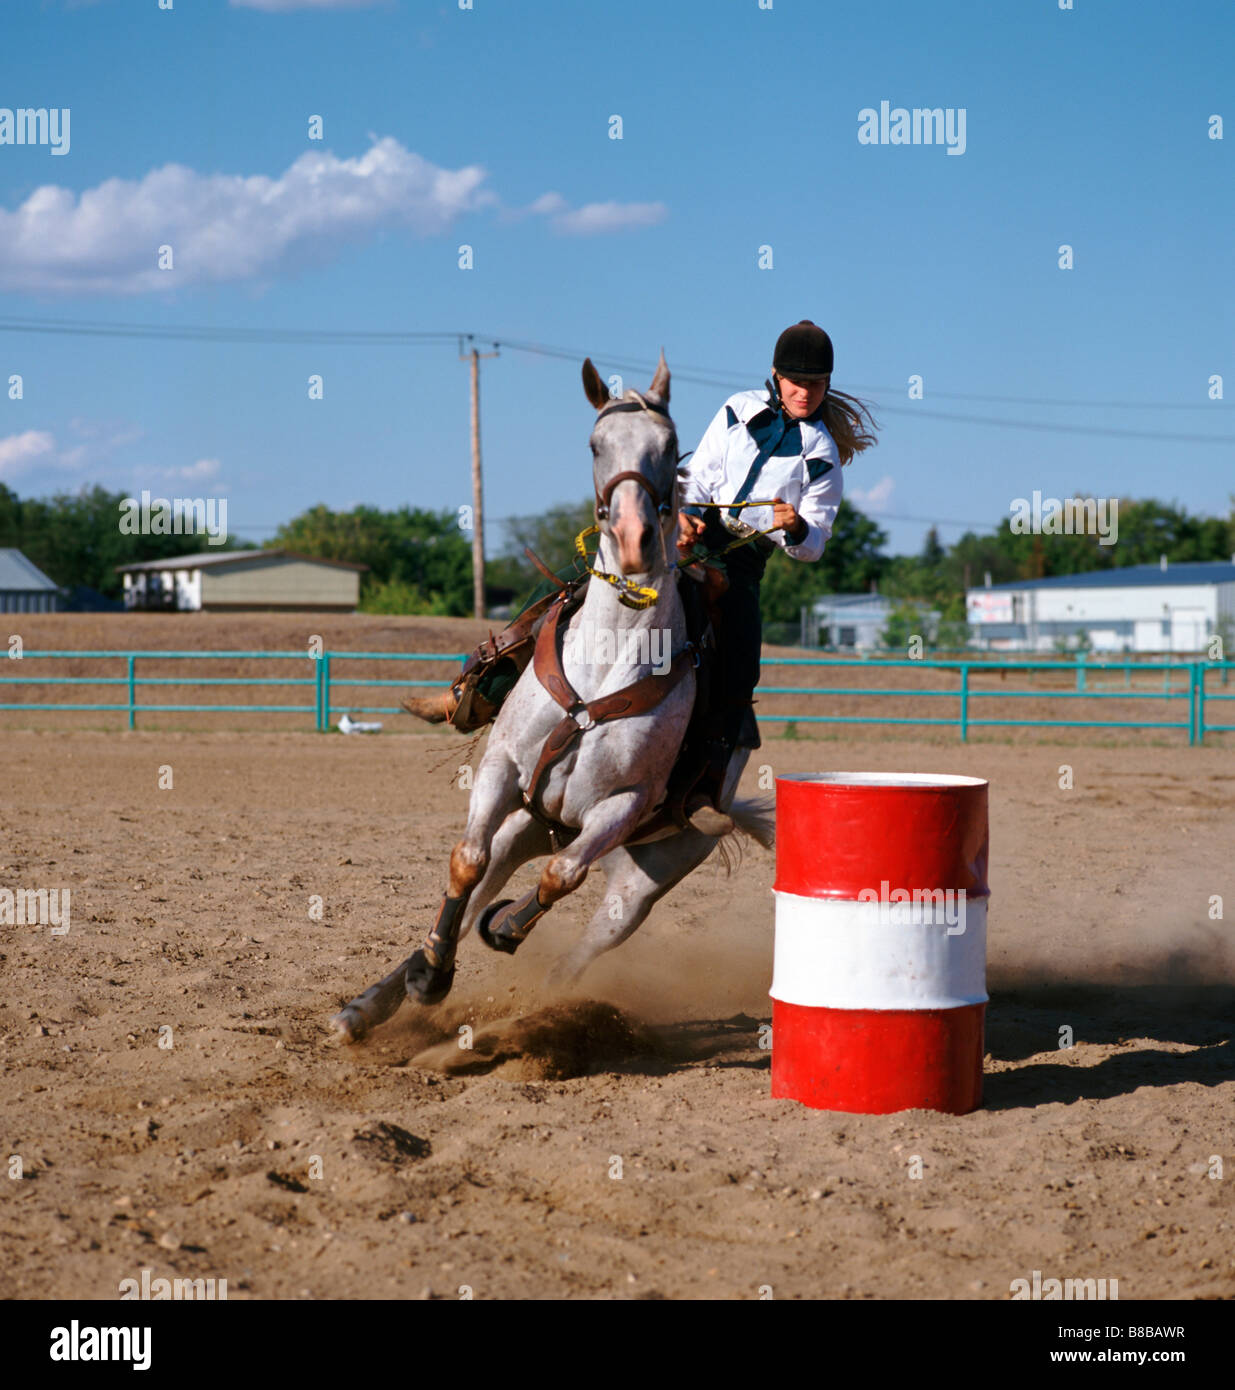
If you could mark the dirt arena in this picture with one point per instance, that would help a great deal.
(251, 1147)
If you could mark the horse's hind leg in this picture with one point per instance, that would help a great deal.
(636, 878)
(520, 839)
(604, 827)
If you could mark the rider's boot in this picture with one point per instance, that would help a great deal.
(433, 709)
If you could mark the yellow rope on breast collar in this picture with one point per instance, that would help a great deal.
(637, 596)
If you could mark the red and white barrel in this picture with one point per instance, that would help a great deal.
(879, 981)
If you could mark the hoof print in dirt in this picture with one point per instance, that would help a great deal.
(425, 983)
(552, 1044)
(391, 1143)
(285, 1181)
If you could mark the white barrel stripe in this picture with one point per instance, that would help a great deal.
(842, 954)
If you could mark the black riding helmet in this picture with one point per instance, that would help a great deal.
(803, 352)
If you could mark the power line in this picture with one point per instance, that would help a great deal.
(1105, 431)
(213, 333)
(696, 375)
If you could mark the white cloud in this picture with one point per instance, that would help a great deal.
(224, 227)
(97, 442)
(548, 203)
(199, 471)
(874, 498)
(19, 451)
(591, 218)
(235, 227)
(608, 217)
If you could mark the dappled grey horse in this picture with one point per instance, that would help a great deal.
(579, 757)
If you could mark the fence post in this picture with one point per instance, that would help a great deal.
(132, 693)
(964, 702)
(325, 680)
(1080, 671)
(317, 693)
(1198, 703)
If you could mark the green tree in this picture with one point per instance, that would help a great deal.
(415, 557)
(550, 535)
(75, 537)
(1149, 529)
(904, 622)
(852, 561)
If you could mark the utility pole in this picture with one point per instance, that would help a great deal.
(478, 517)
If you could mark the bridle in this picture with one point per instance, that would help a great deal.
(630, 594)
(664, 502)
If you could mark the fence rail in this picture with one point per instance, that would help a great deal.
(1187, 681)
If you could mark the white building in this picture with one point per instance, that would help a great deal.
(1142, 608)
(243, 580)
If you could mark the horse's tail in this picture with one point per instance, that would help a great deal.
(756, 816)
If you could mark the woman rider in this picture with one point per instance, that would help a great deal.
(782, 447)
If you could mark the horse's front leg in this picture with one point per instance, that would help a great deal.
(428, 973)
(431, 970)
(605, 826)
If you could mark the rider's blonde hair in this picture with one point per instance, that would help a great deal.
(847, 419)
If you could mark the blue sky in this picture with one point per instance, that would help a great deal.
(490, 127)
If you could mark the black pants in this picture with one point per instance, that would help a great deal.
(739, 642)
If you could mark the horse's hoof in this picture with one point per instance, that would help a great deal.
(426, 983)
(506, 944)
(349, 1025)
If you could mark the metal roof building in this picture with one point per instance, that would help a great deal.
(24, 588)
(1167, 607)
(243, 580)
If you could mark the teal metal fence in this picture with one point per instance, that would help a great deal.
(1190, 682)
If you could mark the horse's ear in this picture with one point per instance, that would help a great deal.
(595, 389)
(660, 382)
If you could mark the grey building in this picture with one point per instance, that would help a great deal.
(856, 622)
(24, 588)
(1168, 607)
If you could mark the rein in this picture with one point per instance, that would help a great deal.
(701, 553)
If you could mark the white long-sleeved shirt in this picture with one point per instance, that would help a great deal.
(801, 465)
